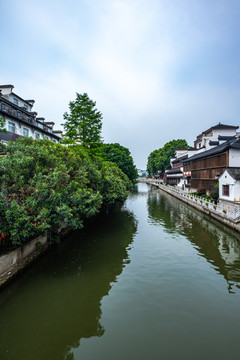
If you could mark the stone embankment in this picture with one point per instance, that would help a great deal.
(16, 260)
(228, 214)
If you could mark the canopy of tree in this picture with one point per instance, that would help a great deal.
(121, 156)
(159, 160)
(43, 184)
(83, 124)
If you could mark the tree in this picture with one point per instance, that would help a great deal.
(43, 184)
(84, 123)
(159, 160)
(2, 123)
(121, 156)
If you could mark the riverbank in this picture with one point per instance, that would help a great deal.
(225, 216)
(14, 262)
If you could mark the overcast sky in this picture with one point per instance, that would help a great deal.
(157, 69)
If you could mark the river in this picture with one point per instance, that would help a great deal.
(155, 279)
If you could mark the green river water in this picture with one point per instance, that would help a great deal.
(155, 279)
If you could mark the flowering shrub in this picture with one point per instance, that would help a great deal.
(206, 203)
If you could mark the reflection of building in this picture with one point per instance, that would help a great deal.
(217, 244)
(20, 120)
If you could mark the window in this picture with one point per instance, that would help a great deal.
(225, 190)
(37, 135)
(15, 101)
(11, 127)
(25, 107)
(25, 131)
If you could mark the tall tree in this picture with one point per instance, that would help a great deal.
(83, 124)
(122, 157)
(159, 160)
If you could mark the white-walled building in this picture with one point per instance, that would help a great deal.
(229, 185)
(20, 120)
(215, 136)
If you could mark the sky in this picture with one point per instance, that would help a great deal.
(158, 70)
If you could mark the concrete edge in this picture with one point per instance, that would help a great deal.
(224, 221)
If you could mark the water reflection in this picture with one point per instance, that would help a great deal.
(60, 298)
(218, 244)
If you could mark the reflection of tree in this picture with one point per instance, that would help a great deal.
(64, 290)
(218, 244)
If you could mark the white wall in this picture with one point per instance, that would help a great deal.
(234, 157)
(226, 179)
(213, 136)
(21, 103)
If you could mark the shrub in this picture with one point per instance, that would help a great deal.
(44, 184)
(201, 192)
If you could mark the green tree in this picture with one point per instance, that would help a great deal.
(43, 184)
(159, 160)
(2, 130)
(121, 156)
(84, 123)
(2, 123)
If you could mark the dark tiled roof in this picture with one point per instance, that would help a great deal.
(218, 126)
(213, 143)
(179, 159)
(234, 144)
(234, 172)
(222, 126)
(9, 136)
(174, 171)
(225, 138)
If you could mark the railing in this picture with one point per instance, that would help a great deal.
(231, 211)
(8, 109)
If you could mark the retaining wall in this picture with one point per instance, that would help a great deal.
(10, 262)
(200, 204)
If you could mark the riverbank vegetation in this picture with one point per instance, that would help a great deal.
(44, 184)
(121, 156)
(159, 160)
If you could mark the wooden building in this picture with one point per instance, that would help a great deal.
(203, 170)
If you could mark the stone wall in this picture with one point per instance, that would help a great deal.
(227, 215)
(11, 260)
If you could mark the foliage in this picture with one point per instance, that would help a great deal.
(2, 123)
(121, 156)
(159, 160)
(44, 184)
(201, 192)
(83, 124)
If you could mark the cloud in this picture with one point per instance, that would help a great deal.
(158, 70)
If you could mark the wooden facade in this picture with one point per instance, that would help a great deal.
(206, 171)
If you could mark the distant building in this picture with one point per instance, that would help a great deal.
(174, 176)
(21, 121)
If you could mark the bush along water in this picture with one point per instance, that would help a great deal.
(43, 184)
